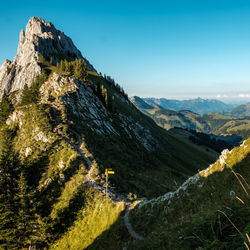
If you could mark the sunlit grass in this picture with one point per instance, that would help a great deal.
(70, 189)
(97, 216)
(195, 218)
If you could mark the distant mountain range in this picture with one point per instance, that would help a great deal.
(218, 124)
(242, 110)
(198, 105)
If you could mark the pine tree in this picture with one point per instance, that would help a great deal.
(26, 97)
(51, 60)
(32, 94)
(58, 67)
(80, 70)
(61, 66)
(104, 96)
(6, 108)
(8, 189)
(71, 68)
(112, 104)
(20, 226)
(67, 66)
(24, 223)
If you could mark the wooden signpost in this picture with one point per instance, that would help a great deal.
(107, 172)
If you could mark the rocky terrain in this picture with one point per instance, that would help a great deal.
(39, 38)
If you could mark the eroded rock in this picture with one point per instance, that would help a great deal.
(39, 39)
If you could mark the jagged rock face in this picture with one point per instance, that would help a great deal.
(40, 38)
(86, 106)
(80, 101)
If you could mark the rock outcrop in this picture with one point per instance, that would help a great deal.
(40, 39)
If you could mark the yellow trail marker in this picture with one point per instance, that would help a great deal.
(107, 172)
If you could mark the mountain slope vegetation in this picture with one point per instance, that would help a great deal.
(113, 135)
(216, 210)
(58, 135)
(210, 210)
(231, 129)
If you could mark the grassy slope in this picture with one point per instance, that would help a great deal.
(137, 168)
(194, 219)
(96, 216)
(242, 110)
(55, 171)
(198, 217)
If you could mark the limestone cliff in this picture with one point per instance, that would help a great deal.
(39, 38)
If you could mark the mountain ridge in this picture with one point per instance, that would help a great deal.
(241, 110)
(218, 198)
(198, 105)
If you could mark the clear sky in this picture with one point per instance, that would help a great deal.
(174, 48)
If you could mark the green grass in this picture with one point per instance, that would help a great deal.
(70, 190)
(193, 219)
(74, 214)
(34, 119)
(97, 216)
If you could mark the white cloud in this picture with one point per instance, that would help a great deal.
(222, 96)
(244, 95)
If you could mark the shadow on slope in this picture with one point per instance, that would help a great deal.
(203, 216)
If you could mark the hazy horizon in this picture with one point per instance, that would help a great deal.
(236, 101)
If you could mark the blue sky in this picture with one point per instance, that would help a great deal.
(175, 49)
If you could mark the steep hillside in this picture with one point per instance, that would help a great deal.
(216, 210)
(199, 105)
(210, 210)
(228, 128)
(60, 131)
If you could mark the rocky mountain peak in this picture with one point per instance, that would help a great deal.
(39, 38)
(43, 38)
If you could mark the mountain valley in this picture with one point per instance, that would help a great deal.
(231, 129)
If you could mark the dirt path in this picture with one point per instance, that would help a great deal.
(112, 195)
(128, 225)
